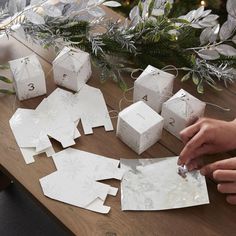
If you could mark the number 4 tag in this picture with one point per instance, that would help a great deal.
(145, 98)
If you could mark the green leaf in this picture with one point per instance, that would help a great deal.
(167, 8)
(200, 88)
(122, 85)
(186, 77)
(114, 77)
(4, 79)
(4, 67)
(193, 59)
(195, 79)
(150, 8)
(177, 20)
(140, 7)
(170, 27)
(8, 92)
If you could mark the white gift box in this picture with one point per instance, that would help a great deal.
(28, 76)
(72, 68)
(153, 87)
(180, 111)
(139, 126)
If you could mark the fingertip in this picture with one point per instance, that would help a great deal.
(231, 199)
(203, 171)
(215, 174)
(179, 162)
(219, 188)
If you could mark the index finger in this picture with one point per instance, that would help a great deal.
(189, 132)
(190, 150)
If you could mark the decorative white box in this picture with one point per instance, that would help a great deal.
(180, 111)
(29, 78)
(139, 126)
(72, 68)
(153, 87)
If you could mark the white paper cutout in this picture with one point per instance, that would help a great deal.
(139, 126)
(56, 122)
(75, 181)
(154, 184)
(29, 78)
(90, 106)
(72, 68)
(29, 153)
(57, 116)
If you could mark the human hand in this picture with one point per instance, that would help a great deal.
(206, 136)
(224, 173)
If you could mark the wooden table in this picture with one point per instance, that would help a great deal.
(218, 218)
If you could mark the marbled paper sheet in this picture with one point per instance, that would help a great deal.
(154, 184)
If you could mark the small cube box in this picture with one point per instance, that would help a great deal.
(28, 76)
(72, 68)
(139, 126)
(180, 111)
(153, 87)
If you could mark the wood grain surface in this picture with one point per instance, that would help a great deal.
(217, 218)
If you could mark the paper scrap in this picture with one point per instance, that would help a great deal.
(154, 184)
(75, 181)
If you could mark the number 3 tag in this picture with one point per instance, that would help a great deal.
(31, 87)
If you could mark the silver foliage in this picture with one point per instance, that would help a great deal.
(217, 40)
(201, 18)
(89, 10)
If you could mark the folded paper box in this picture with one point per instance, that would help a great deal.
(72, 68)
(180, 111)
(29, 78)
(153, 87)
(139, 126)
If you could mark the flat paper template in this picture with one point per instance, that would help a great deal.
(154, 184)
(75, 181)
(57, 116)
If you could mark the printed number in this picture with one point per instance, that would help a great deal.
(31, 86)
(145, 98)
(172, 121)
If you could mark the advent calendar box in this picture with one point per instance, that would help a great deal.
(153, 87)
(139, 126)
(72, 68)
(180, 111)
(28, 76)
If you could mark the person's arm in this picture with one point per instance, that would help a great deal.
(206, 136)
